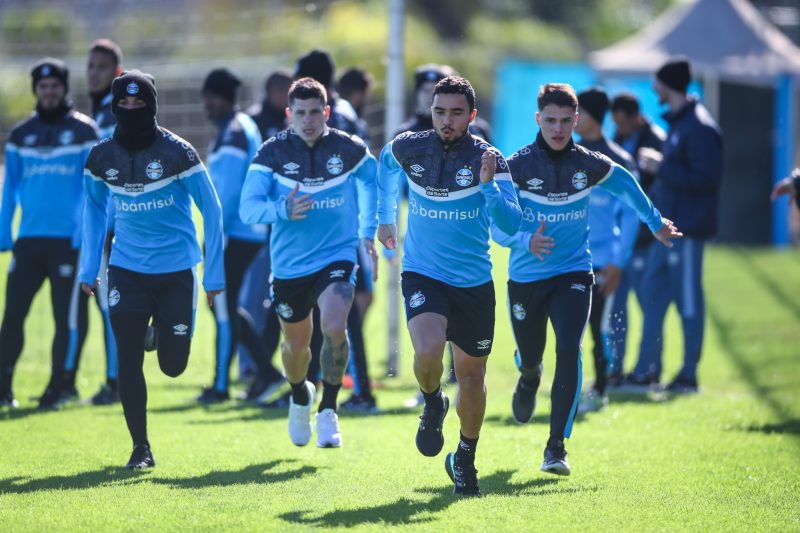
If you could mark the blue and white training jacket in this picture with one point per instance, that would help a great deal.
(152, 191)
(555, 189)
(339, 174)
(449, 209)
(229, 158)
(44, 176)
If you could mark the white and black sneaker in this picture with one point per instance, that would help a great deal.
(555, 460)
(328, 434)
(141, 457)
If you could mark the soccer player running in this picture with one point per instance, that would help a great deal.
(152, 175)
(614, 228)
(446, 275)
(104, 64)
(316, 186)
(235, 145)
(44, 166)
(550, 275)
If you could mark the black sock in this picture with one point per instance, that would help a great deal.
(555, 442)
(329, 394)
(435, 396)
(112, 384)
(465, 453)
(531, 377)
(300, 393)
(69, 380)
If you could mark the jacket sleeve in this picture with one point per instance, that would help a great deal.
(501, 199)
(389, 174)
(699, 171)
(624, 186)
(227, 169)
(521, 240)
(95, 211)
(255, 207)
(199, 185)
(629, 231)
(367, 191)
(10, 191)
(77, 236)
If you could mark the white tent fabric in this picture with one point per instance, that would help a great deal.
(722, 38)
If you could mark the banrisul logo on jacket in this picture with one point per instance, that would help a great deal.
(154, 170)
(335, 164)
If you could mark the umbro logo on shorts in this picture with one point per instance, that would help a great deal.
(338, 273)
(484, 344)
(578, 287)
(416, 300)
(284, 311)
(180, 329)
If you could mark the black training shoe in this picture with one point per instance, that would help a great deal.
(7, 400)
(429, 435)
(141, 457)
(465, 477)
(555, 461)
(682, 385)
(50, 399)
(361, 403)
(211, 396)
(151, 338)
(69, 395)
(107, 395)
(523, 402)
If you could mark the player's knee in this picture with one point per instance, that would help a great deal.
(333, 326)
(295, 346)
(429, 350)
(173, 365)
(471, 381)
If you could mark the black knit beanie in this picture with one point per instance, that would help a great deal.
(135, 83)
(595, 102)
(675, 74)
(222, 82)
(50, 67)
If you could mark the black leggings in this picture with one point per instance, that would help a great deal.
(34, 260)
(600, 333)
(135, 298)
(565, 300)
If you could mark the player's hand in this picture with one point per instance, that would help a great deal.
(298, 206)
(785, 187)
(210, 295)
(89, 289)
(387, 235)
(649, 159)
(668, 231)
(488, 166)
(369, 247)
(541, 243)
(611, 275)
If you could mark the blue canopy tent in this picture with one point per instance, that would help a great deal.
(750, 73)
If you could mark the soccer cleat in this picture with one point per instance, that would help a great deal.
(69, 395)
(151, 338)
(592, 401)
(429, 435)
(210, 396)
(361, 403)
(8, 401)
(464, 477)
(523, 402)
(555, 461)
(107, 395)
(50, 399)
(300, 418)
(141, 457)
(328, 434)
(682, 385)
(268, 389)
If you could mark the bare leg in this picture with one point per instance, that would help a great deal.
(471, 400)
(428, 336)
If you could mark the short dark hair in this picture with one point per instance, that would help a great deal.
(560, 94)
(107, 46)
(626, 103)
(278, 79)
(306, 89)
(456, 85)
(354, 79)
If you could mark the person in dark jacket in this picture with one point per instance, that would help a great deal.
(270, 114)
(686, 190)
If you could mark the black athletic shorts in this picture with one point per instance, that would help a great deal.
(171, 299)
(294, 298)
(469, 310)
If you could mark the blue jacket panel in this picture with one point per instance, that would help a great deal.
(555, 191)
(229, 157)
(44, 176)
(339, 174)
(686, 189)
(449, 209)
(152, 190)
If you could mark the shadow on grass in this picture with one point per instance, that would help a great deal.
(429, 502)
(788, 427)
(263, 473)
(769, 284)
(273, 413)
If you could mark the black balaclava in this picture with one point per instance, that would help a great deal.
(51, 68)
(136, 128)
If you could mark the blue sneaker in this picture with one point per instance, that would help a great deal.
(464, 477)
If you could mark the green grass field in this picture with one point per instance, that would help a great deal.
(726, 459)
